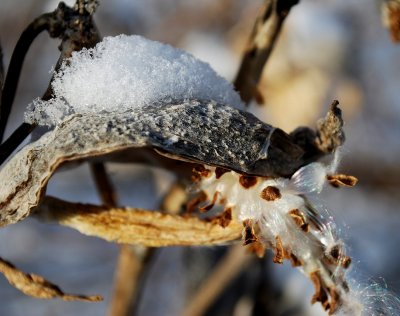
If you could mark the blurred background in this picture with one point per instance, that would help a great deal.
(327, 50)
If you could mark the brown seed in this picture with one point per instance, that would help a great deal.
(337, 180)
(249, 235)
(219, 172)
(224, 219)
(271, 193)
(247, 181)
(335, 252)
(279, 251)
(345, 262)
(257, 248)
(211, 205)
(298, 217)
(337, 257)
(335, 301)
(321, 294)
(296, 262)
(200, 172)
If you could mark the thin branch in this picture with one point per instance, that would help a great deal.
(36, 286)
(14, 70)
(132, 261)
(75, 27)
(261, 43)
(103, 184)
(137, 226)
(226, 270)
(1, 71)
(16, 138)
(390, 11)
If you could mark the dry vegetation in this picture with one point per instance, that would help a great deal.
(171, 226)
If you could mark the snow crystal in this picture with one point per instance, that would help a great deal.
(127, 71)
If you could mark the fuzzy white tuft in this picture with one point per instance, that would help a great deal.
(288, 223)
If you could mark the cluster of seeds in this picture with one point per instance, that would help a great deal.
(277, 214)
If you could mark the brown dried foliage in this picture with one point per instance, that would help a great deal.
(36, 286)
(136, 226)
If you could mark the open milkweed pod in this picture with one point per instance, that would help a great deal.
(277, 213)
(194, 131)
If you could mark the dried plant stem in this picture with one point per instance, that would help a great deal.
(174, 199)
(131, 263)
(36, 286)
(76, 29)
(103, 184)
(136, 226)
(1, 71)
(262, 40)
(14, 70)
(226, 270)
(130, 259)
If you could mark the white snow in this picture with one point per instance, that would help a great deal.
(127, 71)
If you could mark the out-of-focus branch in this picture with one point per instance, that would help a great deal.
(390, 10)
(103, 184)
(130, 259)
(1, 71)
(36, 286)
(131, 263)
(261, 43)
(226, 270)
(136, 226)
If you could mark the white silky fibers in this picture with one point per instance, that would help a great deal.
(126, 71)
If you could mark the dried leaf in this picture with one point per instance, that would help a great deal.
(136, 226)
(36, 286)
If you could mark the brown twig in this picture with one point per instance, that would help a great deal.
(1, 71)
(262, 41)
(131, 258)
(390, 10)
(137, 226)
(131, 263)
(226, 270)
(103, 184)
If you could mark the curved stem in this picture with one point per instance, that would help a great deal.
(16, 138)
(14, 70)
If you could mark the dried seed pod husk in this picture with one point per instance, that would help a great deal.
(193, 131)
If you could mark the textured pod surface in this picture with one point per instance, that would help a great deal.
(198, 131)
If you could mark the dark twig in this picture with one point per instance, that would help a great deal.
(1, 71)
(75, 27)
(103, 184)
(262, 41)
(14, 70)
(16, 138)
